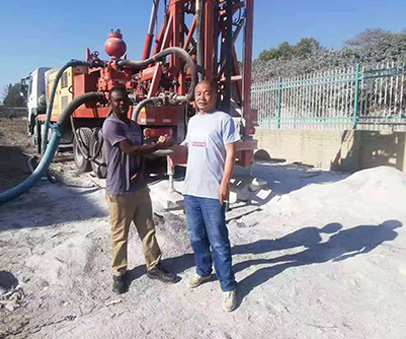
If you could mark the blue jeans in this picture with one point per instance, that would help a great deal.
(207, 228)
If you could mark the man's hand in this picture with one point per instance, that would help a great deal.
(165, 141)
(224, 189)
(223, 192)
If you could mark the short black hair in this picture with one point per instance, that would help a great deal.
(212, 85)
(117, 89)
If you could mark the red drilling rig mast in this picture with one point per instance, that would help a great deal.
(198, 39)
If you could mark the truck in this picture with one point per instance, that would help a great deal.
(33, 89)
(197, 40)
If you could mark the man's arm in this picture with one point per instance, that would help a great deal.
(139, 151)
(224, 189)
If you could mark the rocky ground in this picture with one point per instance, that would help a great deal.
(322, 257)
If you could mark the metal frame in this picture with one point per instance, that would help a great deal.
(215, 50)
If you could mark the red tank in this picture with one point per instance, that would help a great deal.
(114, 45)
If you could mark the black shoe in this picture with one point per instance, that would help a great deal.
(159, 272)
(120, 284)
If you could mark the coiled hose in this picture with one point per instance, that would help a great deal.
(58, 128)
(171, 50)
(141, 105)
(178, 99)
(58, 131)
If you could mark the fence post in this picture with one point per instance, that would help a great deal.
(279, 101)
(355, 115)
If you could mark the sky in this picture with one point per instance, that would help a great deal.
(52, 32)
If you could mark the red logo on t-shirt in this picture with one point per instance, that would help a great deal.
(199, 144)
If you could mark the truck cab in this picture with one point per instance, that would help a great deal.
(34, 91)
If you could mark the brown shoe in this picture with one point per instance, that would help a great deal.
(159, 272)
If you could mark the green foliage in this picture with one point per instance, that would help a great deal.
(12, 97)
(368, 48)
(304, 48)
(269, 54)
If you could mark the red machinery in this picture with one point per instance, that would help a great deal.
(162, 84)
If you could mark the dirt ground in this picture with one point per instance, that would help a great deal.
(323, 257)
(15, 146)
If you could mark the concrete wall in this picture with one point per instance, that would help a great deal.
(339, 150)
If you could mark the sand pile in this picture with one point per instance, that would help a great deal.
(378, 193)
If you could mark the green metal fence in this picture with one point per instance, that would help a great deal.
(354, 98)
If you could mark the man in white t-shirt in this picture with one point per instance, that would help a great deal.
(210, 139)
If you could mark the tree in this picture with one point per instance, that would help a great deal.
(304, 48)
(284, 51)
(377, 45)
(370, 38)
(12, 97)
(268, 54)
(4, 91)
(369, 48)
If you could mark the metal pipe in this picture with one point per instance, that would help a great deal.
(152, 20)
(58, 131)
(356, 85)
(157, 57)
(229, 57)
(150, 35)
(52, 98)
(234, 39)
(247, 67)
(199, 39)
(172, 98)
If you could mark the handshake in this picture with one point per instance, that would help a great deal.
(165, 141)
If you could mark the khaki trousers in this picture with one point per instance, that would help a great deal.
(136, 207)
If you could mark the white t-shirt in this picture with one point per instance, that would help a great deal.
(206, 138)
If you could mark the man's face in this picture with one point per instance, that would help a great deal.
(119, 102)
(205, 97)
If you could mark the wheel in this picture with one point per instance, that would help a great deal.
(84, 133)
(37, 135)
(31, 124)
(96, 145)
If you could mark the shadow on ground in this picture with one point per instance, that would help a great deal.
(49, 204)
(13, 167)
(341, 245)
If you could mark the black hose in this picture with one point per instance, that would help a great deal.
(67, 114)
(141, 105)
(76, 103)
(58, 130)
(87, 97)
(171, 50)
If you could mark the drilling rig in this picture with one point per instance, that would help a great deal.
(198, 39)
